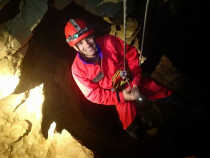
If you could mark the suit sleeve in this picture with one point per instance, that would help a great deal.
(94, 93)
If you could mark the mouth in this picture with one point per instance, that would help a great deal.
(91, 49)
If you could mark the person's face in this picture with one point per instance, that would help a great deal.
(87, 47)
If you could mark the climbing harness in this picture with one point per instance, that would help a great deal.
(118, 82)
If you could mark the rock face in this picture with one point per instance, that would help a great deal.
(132, 30)
(14, 35)
(166, 73)
(20, 126)
(103, 8)
(132, 33)
(10, 69)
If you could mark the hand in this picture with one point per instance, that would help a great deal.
(131, 94)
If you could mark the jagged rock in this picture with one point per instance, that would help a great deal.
(8, 43)
(20, 125)
(14, 35)
(132, 30)
(10, 72)
(166, 74)
(64, 145)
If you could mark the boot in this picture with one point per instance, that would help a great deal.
(140, 129)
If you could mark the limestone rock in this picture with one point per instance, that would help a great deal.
(20, 125)
(64, 145)
(132, 30)
(14, 35)
(10, 72)
(8, 43)
(166, 74)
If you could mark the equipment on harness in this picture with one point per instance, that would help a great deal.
(120, 80)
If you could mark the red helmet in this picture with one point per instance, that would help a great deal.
(75, 31)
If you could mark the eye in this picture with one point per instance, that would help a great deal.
(90, 39)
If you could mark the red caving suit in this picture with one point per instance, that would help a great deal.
(99, 91)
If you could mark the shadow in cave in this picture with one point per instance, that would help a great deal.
(175, 29)
(176, 32)
(9, 11)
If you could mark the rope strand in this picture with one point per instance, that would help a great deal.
(124, 22)
(144, 26)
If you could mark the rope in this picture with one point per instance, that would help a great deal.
(124, 73)
(124, 23)
(144, 26)
(143, 32)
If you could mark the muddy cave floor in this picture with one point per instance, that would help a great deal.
(97, 127)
